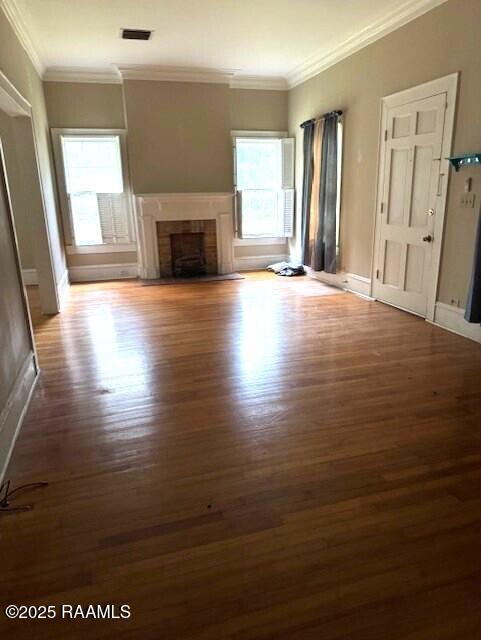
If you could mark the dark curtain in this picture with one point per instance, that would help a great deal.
(473, 308)
(320, 179)
(324, 254)
(307, 187)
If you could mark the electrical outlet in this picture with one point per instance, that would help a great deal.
(467, 200)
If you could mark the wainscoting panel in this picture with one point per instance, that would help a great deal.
(14, 411)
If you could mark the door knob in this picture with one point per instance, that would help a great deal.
(430, 212)
(427, 239)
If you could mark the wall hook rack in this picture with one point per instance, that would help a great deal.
(465, 160)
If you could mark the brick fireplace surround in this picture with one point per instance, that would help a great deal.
(166, 228)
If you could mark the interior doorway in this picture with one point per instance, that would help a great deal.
(19, 367)
(21, 169)
(416, 136)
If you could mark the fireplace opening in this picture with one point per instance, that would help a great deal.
(187, 248)
(188, 255)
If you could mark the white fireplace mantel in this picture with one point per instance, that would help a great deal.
(151, 208)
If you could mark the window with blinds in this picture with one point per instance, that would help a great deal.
(264, 182)
(94, 187)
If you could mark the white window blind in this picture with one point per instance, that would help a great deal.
(286, 217)
(113, 221)
(287, 159)
(265, 187)
(98, 203)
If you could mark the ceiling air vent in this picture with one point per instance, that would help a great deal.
(136, 34)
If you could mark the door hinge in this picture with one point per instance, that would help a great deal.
(440, 184)
(377, 274)
(382, 207)
(385, 135)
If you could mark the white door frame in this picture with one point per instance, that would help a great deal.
(448, 85)
(13, 104)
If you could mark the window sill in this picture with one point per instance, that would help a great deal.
(100, 248)
(246, 242)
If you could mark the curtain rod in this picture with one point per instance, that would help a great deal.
(330, 114)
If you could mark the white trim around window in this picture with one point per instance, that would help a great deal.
(287, 182)
(70, 247)
(258, 134)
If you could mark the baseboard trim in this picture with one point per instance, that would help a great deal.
(63, 288)
(451, 318)
(13, 413)
(30, 276)
(334, 279)
(360, 285)
(254, 263)
(95, 272)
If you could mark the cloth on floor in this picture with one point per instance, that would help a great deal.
(287, 269)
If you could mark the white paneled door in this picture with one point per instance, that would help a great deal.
(410, 192)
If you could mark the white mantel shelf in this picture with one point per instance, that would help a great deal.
(151, 208)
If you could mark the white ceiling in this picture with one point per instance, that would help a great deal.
(282, 38)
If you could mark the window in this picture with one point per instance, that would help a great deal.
(264, 183)
(94, 190)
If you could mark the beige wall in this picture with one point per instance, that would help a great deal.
(442, 41)
(181, 142)
(251, 251)
(27, 195)
(84, 105)
(21, 198)
(178, 136)
(88, 259)
(258, 110)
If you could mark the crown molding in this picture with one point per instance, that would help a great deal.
(81, 74)
(176, 74)
(11, 100)
(116, 75)
(14, 17)
(391, 21)
(271, 83)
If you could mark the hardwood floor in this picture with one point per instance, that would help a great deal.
(248, 460)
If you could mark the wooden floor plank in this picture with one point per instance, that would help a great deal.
(256, 459)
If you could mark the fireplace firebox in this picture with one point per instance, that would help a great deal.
(188, 255)
(187, 248)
